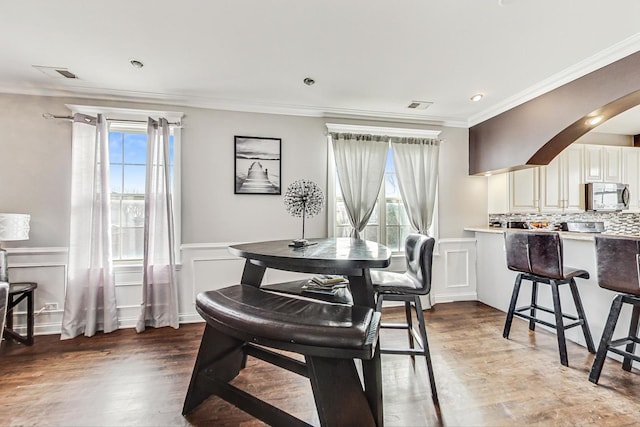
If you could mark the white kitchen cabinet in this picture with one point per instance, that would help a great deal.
(603, 163)
(631, 175)
(498, 193)
(524, 190)
(561, 186)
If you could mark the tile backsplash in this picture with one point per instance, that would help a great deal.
(614, 222)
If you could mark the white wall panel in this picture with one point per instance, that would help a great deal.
(454, 276)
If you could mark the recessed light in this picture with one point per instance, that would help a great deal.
(477, 97)
(487, 174)
(594, 120)
(136, 63)
(309, 81)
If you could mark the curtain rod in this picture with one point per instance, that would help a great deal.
(49, 116)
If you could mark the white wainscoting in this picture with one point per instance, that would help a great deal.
(209, 266)
(454, 271)
(48, 267)
(205, 266)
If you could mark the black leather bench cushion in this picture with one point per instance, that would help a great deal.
(262, 314)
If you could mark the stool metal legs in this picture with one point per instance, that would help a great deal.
(608, 344)
(585, 326)
(419, 337)
(512, 306)
(633, 332)
(557, 311)
(559, 317)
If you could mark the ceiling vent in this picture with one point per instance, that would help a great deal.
(419, 105)
(56, 72)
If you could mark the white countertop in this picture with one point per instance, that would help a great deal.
(564, 234)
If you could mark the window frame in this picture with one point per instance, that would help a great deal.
(332, 195)
(134, 120)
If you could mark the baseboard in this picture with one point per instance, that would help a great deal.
(443, 298)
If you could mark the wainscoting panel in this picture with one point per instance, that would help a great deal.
(210, 266)
(454, 271)
(47, 267)
(204, 267)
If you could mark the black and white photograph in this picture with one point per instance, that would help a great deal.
(257, 165)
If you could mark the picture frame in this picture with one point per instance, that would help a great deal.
(257, 167)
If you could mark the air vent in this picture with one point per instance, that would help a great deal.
(67, 74)
(56, 72)
(419, 105)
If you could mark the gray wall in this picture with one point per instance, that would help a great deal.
(35, 176)
(36, 156)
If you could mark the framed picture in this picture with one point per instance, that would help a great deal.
(257, 165)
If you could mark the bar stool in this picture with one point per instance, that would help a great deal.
(537, 256)
(407, 287)
(618, 263)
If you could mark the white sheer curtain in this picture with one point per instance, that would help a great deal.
(90, 300)
(360, 162)
(416, 161)
(159, 290)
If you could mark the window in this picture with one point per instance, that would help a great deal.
(127, 168)
(389, 223)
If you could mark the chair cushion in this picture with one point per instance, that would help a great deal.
(395, 283)
(253, 312)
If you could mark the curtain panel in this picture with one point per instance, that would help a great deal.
(90, 300)
(159, 290)
(416, 161)
(360, 163)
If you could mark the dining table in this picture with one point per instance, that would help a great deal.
(349, 257)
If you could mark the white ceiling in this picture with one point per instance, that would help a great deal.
(368, 57)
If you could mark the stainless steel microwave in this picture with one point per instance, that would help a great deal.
(606, 196)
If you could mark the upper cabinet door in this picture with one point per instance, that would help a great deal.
(603, 163)
(593, 170)
(572, 181)
(631, 175)
(612, 161)
(561, 185)
(551, 186)
(523, 190)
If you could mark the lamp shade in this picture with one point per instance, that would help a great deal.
(14, 227)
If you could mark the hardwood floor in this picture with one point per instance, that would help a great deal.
(126, 379)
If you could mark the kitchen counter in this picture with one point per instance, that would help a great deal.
(566, 235)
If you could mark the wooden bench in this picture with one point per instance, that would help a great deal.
(243, 321)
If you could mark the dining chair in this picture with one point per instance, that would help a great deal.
(407, 287)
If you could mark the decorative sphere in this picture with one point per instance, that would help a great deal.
(303, 197)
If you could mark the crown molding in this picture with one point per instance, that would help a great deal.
(603, 58)
(594, 62)
(238, 106)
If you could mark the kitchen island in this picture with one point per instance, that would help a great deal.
(495, 282)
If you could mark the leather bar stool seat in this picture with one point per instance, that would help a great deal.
(618, 263)
(537, 256)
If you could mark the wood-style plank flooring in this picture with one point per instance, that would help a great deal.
(129, 379)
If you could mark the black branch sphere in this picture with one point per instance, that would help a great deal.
(303, 198)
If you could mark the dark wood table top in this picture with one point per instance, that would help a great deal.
(333, 255)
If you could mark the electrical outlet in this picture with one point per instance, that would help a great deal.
(50, 306)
